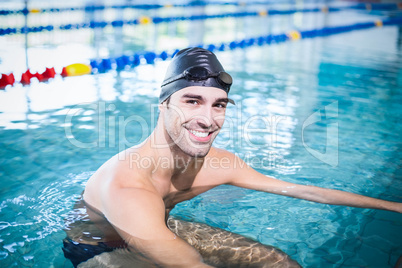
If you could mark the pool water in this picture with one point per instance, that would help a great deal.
(323, 111)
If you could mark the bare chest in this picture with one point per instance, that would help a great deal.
(198, 186)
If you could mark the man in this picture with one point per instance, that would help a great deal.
(136, 199)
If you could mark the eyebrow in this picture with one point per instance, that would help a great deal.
(192, 96)
(199, 97)
(225, 100)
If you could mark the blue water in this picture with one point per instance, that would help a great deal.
(321, 112)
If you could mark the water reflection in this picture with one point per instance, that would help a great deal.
(92, 241)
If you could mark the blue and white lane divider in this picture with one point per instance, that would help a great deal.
(119, 63)
(94, 8)
(157, 20)
(129, 61)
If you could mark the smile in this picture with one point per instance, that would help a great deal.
(199, 134)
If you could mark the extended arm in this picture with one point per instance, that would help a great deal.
(247, 177)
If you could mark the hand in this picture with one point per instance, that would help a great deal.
(397, 207)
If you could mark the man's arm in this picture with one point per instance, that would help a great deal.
(244, 176)
(138, 215)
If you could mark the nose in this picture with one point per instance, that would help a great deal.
(204, 125)
(206, 118)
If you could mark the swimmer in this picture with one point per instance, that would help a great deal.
(135, 199)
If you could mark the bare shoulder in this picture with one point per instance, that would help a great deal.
(225, 158)
(118, 173)
(220, 153)
(224, 165)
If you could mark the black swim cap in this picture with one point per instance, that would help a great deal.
(194, 67)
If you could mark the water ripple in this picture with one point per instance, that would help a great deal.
(36, 219)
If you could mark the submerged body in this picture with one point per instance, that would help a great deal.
(221, 248)
(93, 242)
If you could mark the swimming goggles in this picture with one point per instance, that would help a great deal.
(199, 73)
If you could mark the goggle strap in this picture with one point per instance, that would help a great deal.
(183, 75)
(174, 78)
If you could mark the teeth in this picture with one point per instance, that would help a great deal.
(199, 134)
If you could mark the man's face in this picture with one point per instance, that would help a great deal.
(194, 117)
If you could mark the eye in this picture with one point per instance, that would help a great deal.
(192, 102)
(220, 105)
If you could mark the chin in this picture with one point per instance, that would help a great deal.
(198, 153)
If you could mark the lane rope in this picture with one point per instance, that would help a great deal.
(94, 8)
(157, 20)
(129, 61)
